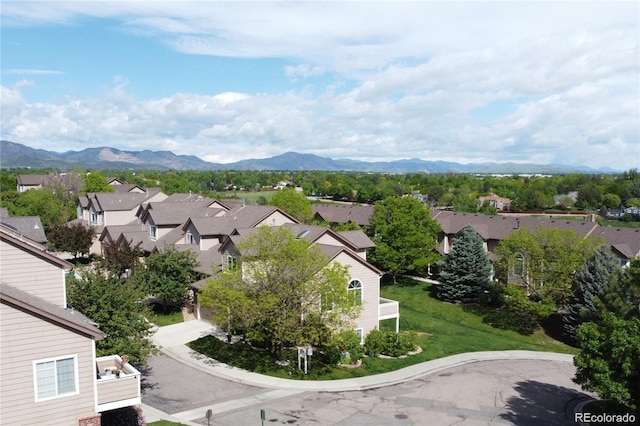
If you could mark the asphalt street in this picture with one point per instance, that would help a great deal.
(518, 392)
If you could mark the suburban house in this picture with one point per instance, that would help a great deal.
(210, 229)
(99, 209)
(67, 180)
(342, 248)
(28, 226)
(48, 367)
(495, 201)
(341, 213)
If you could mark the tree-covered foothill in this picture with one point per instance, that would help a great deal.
(294, 203)
(465, 272)
(72, 238)
(168, 274)
(285, 292)
(405, 235)
(115, 305)
(589, 282)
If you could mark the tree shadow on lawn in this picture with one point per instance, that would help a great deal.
(542, 404)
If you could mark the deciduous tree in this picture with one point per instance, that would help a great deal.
(168, 274)
(285, 292)
(608, 362)
(96, 182)
(120, 256)
(405, 235)
(75, 238)
(294, 203)
(115, 305)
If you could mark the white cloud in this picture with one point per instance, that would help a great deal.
(463, 81)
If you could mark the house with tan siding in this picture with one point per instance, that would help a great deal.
(48, 367)
(364, 278)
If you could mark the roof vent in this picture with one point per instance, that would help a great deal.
(302, 234)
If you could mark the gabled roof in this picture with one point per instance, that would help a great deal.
(334, 213)
(245, 216)
(67, 318)
(127, 187)
(333, 251)
(26, 244)
(624, 240)
(358, 238)
(29, 226)
(176, 213)
(32, 180)
(119, 201)
(179, 197)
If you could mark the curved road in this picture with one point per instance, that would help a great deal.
(520, 392)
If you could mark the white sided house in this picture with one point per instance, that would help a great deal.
(48, 367)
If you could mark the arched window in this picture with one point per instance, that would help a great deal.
(355, 291)
(519, 267)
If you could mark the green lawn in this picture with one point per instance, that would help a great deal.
(161, 318)
(444, 329)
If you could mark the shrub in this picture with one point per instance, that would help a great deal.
(375, 342)
(389, 343)
(349, 341)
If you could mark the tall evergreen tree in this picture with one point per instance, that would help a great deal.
(464, 274)
(588, 283)
(621, 296)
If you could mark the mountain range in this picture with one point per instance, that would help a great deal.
(105, 158)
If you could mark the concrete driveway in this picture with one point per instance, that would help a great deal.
(519, 392)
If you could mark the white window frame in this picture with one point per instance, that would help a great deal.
(359, 288)
(189, 238)
(360, 333)
(93, 217)
(55, 361)
(153, 232)
(232, 262)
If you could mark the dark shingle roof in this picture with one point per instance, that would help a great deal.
(333, 213)
(29, 226)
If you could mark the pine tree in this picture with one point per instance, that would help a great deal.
(621, 296)
(589, 281)
(464, 274)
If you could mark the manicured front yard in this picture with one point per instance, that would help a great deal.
(444, 329)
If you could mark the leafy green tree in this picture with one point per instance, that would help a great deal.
(294, 203)
(608, 362)
(75, 238)
(465, 272)
(284, 293)
(121, 256)
(115, 305)
(519, 312)
(621, 296)
(544, 262)
(168, 274)
(96, 182)
(405, 235)
(611, 201)
(47, 203)
(590, 280)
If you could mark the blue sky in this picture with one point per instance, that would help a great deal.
(466, 81)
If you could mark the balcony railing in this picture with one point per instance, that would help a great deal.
(118, 383)
(388, 308)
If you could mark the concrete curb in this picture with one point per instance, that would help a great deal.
(208, 365)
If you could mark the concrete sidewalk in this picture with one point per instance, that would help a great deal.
(172, 341)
